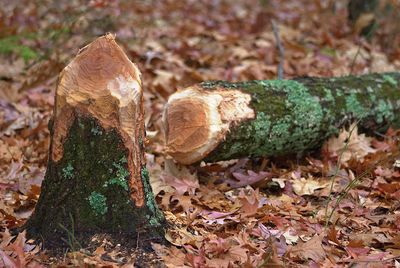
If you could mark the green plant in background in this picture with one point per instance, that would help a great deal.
(12, 45)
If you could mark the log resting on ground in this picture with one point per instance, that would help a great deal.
(219, 120)
(96, 179)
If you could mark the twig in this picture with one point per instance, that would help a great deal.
(354, 59)
(359, 49)
(338, 163)
(280, 48)
(367, 261)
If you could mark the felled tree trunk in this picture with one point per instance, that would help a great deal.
(96, 179)
(219, 120)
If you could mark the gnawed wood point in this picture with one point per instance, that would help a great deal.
(96, 172)
(103, 83)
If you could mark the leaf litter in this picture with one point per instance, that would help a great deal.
(244, 213)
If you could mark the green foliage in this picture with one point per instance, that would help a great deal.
(98, 202)
(59, 33)
(328, 51)
(12, 45)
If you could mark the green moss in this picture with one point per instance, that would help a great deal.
(291, 119)
(13, 45)
(68, 171)
(384, 111)
(328, 95)
(296, 115)
(98, 203)
(390, 80)
(261, 126)
(121, 175)
(155, 217)
(354, 106)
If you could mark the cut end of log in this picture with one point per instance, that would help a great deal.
(197, 120)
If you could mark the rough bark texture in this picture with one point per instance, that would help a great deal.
(219, 120)
(96, 179)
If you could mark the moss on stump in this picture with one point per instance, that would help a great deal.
(87, 191)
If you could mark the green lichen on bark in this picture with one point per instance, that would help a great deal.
(68, 171)
(157, 215)
(95, 193)
(296, 115)
(121, 175)
(390, 80)
(98, 202)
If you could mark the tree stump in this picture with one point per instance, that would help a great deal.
(221, 120)
(96, 179)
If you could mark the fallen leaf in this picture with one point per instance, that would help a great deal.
(180, 178)
(307, 186)
(247, 179)
(312, 249)
(171, 256)
(349, 144)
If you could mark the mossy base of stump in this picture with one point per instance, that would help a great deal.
(86, 192)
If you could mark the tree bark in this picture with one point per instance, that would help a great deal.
(219, 120)
(96, 179)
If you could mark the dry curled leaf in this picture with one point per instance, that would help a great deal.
(307, 186)
(310, 250)
(349, 144)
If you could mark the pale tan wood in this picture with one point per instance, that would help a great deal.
(196, 120)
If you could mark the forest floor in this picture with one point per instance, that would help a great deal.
(337, 207)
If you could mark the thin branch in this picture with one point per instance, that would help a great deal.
(368, 35)
(280, 48)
